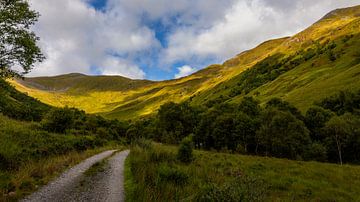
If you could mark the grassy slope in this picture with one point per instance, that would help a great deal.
(316, 78)
(117, 97)
(30, 157)
(18, 105)
(286, 180)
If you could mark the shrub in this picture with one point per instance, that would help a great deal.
(59, 120)
(185, 152)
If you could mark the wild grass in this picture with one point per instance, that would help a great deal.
(30, 176)
(156, 175)
(30, 157)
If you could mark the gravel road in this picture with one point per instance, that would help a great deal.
(73, 185)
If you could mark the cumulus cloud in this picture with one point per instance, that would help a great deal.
(184, 71)
(245, 24)
(123, 37)
(116, 66)
(76, 38)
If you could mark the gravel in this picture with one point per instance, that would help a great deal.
(73, 185)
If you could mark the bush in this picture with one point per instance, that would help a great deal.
(185, 152)
(59, 120)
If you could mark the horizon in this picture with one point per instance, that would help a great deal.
(139, 40)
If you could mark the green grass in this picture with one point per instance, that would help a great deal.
(129, 184)
(212, 174)
(30, 157)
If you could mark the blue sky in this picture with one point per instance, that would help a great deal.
(162, 39)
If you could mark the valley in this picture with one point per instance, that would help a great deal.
(279, 122)
(118, 97)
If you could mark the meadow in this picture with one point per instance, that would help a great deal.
(214, 176)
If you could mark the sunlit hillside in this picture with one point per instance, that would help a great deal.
(301, 69)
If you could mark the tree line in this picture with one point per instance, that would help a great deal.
(329, 131)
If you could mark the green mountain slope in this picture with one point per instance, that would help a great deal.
(79, 83)
(17, 105)
(301, 69)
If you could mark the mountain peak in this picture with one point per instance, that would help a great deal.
(343, 12)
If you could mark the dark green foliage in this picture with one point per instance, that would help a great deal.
(316, 151)
(146, 128)
(74, 121)
(59, 120)
(250, 106)
(284, 106)
(343, 134)
(282, 135)
(331, 56)
(185, 153)
(17, 42)
(176, 121)
(18, 105)
(278, 129)
(19, 144)
(342, 102)
(315, 120)
(309, 54)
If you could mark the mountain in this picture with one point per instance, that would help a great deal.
(301, 69)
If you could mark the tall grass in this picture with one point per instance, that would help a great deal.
(30, 157)
(156, 175)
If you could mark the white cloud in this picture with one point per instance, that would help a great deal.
(184, 71)
(115, 66)
(244, 25)
(120, 37)
(75, 38)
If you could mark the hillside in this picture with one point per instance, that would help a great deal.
(301, 69)
(18, 105)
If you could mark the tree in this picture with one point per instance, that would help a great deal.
(284, 106)
(245, 129)
(315, 119)
(177, 120)
(223, 132)
(250, 106)
(344, 131)
(343, 102)
(282, 134)
(59, 120)
(18, 47)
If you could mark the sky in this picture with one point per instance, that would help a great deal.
(162, 39)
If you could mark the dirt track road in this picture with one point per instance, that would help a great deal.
(107, 184)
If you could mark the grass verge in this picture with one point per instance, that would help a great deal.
(129, 181)
(33, 174)
(216, 176)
